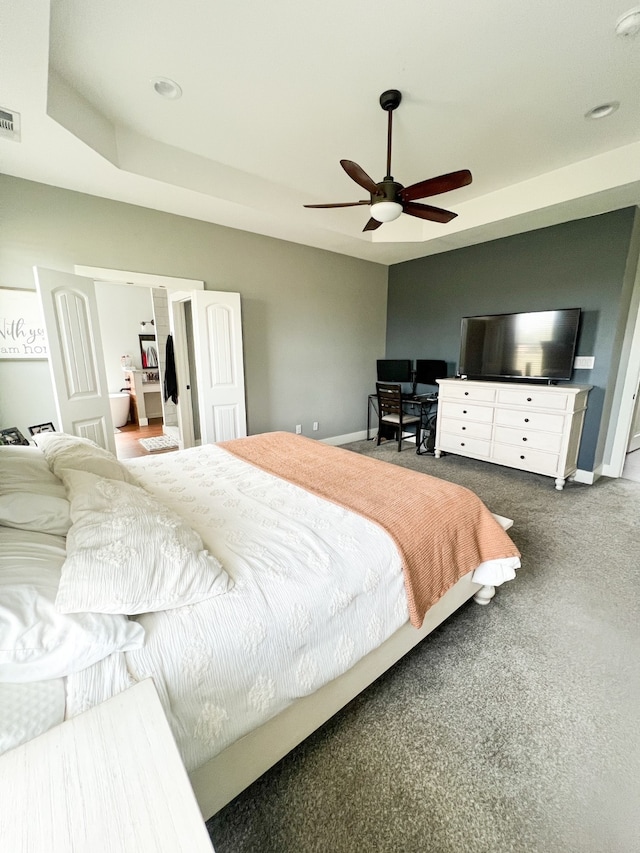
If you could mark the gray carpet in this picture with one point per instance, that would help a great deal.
(513, 727)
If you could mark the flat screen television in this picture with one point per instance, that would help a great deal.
(536, 345)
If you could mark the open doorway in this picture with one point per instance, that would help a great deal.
(133, 310)
(134, 324)
(76, 359)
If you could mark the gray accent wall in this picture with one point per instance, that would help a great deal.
(581, 264)
(314, 321)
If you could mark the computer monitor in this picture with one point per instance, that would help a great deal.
(428, 370)
(394, 370)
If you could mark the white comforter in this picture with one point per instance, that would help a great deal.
(316, 588)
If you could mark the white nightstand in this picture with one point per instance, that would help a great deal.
(110, 780)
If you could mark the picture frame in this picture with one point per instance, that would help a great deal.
(12, 436)
(22, 330)
(38, 428)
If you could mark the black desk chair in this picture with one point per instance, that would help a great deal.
(390, 410)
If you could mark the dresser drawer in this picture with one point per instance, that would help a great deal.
(525, 459)
(530, 420)
(535, 399)
(549, 441)
(464, 391)
(464, 411)
(471, 429)
(465, 446)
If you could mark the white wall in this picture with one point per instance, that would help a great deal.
(121, 309)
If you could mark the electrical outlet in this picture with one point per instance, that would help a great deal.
(584, 362)
(315, 426)
(298, 429)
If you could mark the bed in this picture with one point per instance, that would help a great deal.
(262, 584)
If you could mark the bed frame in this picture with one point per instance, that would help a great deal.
(222, 778)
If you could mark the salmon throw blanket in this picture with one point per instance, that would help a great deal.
(443, 531)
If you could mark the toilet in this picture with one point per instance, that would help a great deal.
(120, 402)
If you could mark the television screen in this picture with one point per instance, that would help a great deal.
(394, 370)
(535, 345)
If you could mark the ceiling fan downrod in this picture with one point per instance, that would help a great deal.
(390, 101)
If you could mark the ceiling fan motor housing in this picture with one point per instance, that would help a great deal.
(388, 190)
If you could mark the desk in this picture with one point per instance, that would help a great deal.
(425, 406)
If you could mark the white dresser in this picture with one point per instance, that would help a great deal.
(531, 427)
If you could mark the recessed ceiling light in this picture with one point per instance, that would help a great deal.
(603, 110)
(629, 23)
(167, 88)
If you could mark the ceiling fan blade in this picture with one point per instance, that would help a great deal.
(340, 204)
(371, 225)
(358, 174)
(426, 211)
(434, 186)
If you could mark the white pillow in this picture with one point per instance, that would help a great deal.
(63, 451)
(31, 511)
(28, 710)
(37, 642)
(128, 553)
(24, 469)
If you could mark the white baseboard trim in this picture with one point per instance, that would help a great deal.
(587, 477)
(345, 439)
(611, 471)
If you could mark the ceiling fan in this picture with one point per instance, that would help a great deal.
(389, 198)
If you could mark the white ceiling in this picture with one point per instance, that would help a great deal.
(276, 94)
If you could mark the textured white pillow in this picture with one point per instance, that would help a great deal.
(63, 451)
(24, 469)
(28, 710)
(36, 641)
(128, 553)
(31, 511)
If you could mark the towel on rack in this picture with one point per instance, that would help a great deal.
(170, 378)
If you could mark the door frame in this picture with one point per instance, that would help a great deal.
(138, 279)
(628, 379)
(177, 300)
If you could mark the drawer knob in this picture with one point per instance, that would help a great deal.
(463, 429)
(528, 399)
(526, 420)
(466, 393)
(522, 457)
(462, 444)
(524, 438)
(464, 411)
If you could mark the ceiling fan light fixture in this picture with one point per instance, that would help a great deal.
(386, 211)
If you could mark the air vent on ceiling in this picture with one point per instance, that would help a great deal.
(9, 124)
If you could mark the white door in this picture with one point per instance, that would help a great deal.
(75, 355)
(634, 436)
(183, 376)
(217, 336)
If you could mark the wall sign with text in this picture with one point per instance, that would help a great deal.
(22, 333)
